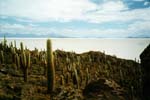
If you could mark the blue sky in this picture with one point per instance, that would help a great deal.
(75, 18)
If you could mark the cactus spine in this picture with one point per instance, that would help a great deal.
(50, 68)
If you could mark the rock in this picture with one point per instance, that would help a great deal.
(145, 63)
(102, 89)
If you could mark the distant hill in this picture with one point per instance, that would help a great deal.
(56, 35)
(52, 35)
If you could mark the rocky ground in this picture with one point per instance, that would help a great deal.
(100, 77)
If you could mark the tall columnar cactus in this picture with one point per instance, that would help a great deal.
(11, 44)
(1, 57)
(5, 43)
(17, 61)
(121, 76)
(87, 76)
(27, 65)
(21, 45)
(62, 82)
(4, 49)
(28, 59)
(76, 79)
(45, 66)
(67, 78)
(15, 44)
(13, 52)
(50, 68)
(23, 59)
(24, 62)
(80, 76)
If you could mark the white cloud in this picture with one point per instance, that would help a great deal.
(138, 0)
(26, 29)
(63, 10)
(3, 17)
(147, 3)
(68, 10)
(101, 16)
(139, 27)
(113, 6)
(134, 29)
(14, 26)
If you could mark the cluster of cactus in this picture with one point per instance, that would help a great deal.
(5, 49)
(100, 65)
(74, 69)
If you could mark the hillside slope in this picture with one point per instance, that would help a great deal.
(88, 76)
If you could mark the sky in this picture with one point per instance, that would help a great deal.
(75, 18)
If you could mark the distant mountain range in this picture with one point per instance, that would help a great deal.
(51, 35)
(55, 35)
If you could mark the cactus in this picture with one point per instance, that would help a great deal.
(15, 44)
(90, 58)
(17, 61)
(81, 76)
(67, 78)
(23, 65)
(68, 68)
(76, 79)
(13, 52)
(28, 59)
(87, 76)
(5, 43)
(1, 57)
(4, 49)
(21, 45)
(135, 59)
(50, 68)
(132, 93)
(11, 44)
(45, 66)
(23, 59)
(27, 65)
(62, 82)
(24, 62)
(121, 76)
